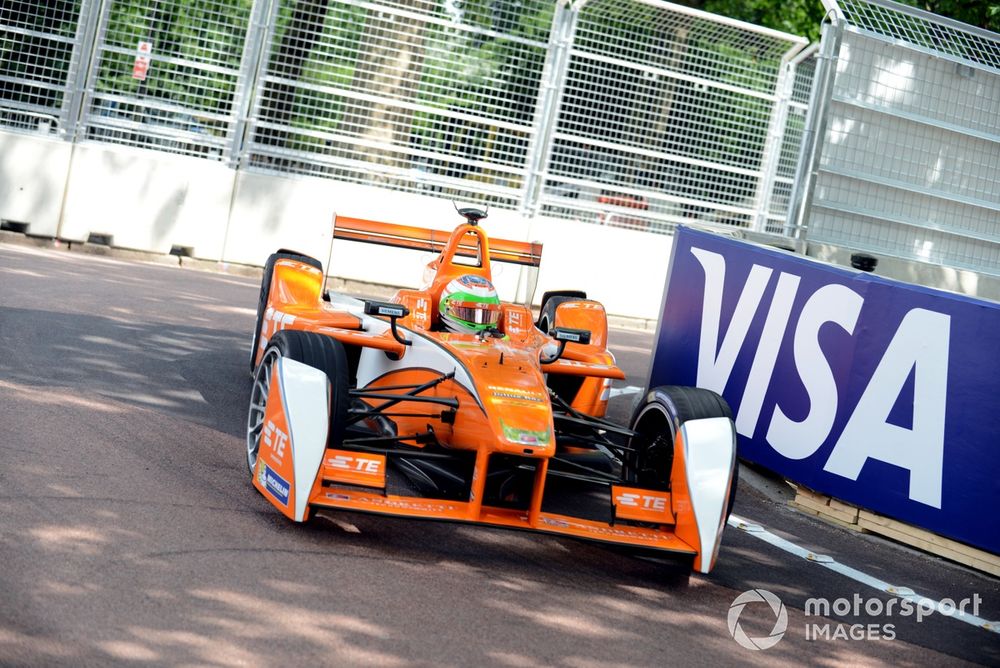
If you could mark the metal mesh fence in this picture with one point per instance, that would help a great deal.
(37, 42)
(800, 87)
(911, 148)
(634, 113)
(165, 74)
(436, 97)
(664, 118)
(923, 29)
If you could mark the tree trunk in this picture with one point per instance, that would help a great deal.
(390, 71)
(303, 32)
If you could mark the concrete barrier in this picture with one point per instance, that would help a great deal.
(147, 200)
(33, 171)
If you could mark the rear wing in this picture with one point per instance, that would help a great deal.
(419, 238)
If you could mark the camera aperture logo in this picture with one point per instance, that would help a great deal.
(777, 608)
(818, 611)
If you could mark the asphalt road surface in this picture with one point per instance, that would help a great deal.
(129, 532)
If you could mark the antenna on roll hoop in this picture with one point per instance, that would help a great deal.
(472, 214)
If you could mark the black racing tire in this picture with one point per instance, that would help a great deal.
(265, 290)
(320, 352)
(550, 301)
(656, 420)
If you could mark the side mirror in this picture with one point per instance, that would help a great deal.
(389, 310)
(566, 335)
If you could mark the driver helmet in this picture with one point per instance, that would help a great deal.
(469, 304)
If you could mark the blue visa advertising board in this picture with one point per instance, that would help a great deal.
(879, 393)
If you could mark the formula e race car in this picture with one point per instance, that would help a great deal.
(445, 403)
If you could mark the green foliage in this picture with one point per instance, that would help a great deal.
(980, 14)
(803, 17)
(799, 17)
(186, 36)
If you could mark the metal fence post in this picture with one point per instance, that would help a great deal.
(547, 109)
(255, 96)
(812, 137)
(258, 35)
(83, 51)
(89, 82)
(775, 135)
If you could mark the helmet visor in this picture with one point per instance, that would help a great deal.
(475, 313)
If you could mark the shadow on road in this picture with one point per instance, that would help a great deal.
(196, 373)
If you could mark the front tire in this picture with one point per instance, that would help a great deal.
(657, 419)
(320, 352)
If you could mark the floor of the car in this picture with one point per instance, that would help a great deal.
(577, 499)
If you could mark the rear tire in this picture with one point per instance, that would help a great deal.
(320, 352)
(265, 291)
(550, 301)
(657, 420)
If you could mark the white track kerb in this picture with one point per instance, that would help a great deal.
(830, 563)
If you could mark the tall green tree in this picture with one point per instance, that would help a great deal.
(803, 17)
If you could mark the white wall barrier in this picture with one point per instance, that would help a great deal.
(151, 201)
(33, 180)
(622, 268)
(147, 200)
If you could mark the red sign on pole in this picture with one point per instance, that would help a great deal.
(141, 66)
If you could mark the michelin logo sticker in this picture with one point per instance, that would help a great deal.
(277, 486)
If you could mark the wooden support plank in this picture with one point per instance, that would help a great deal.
(825, 509)
(984, 562)
(809, 494)
(809, 502)
(922, 534)
(857, 519)
(848, 509)
(833, 520)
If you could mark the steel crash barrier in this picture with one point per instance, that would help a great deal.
(873, 391)
(902, 138)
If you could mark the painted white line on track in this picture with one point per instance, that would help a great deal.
(832, 564)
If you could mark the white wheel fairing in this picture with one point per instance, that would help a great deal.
(709, 451)
(305, 395)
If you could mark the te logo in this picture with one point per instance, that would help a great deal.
(643, 501)
(422, 312)
(275, 439)
(355, 464)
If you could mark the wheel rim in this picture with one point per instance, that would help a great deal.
(652, 464)
(258, 405)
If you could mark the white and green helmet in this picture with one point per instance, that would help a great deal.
(469, 304)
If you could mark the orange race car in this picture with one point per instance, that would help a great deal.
(447, 404)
